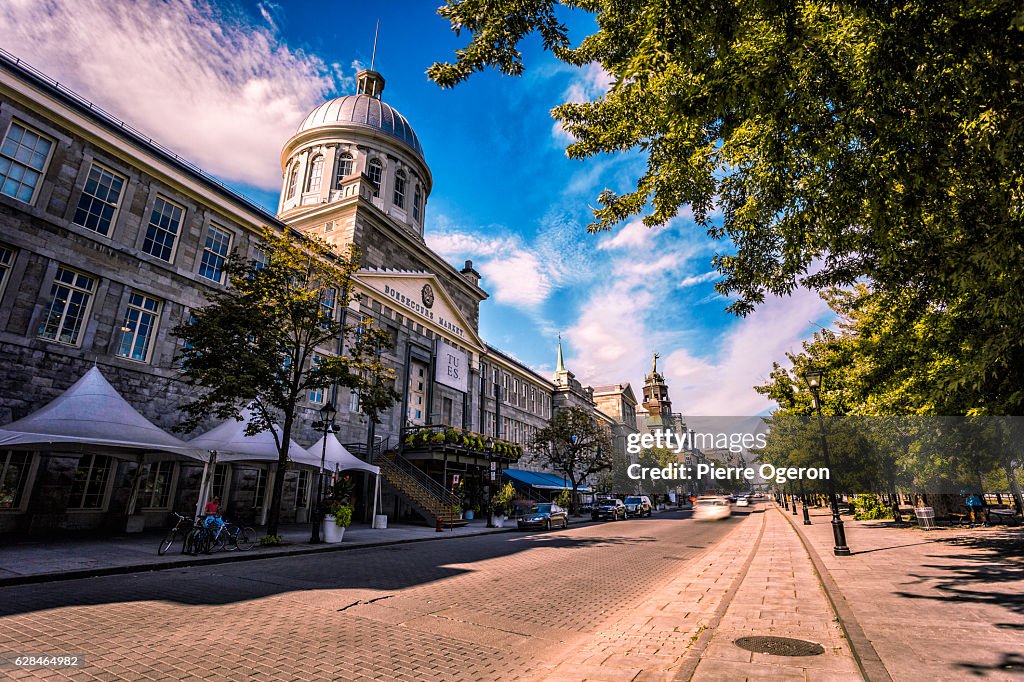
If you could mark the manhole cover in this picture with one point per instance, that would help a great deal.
(780, 646)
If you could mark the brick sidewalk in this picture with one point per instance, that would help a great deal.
(935, 605)
(780, 596)
(652, 642)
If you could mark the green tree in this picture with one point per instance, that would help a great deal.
(272, 336)
(575, 445)
(839, 142)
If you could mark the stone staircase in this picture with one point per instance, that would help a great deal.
(428, 497)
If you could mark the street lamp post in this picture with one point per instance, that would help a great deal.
(492, 488)
(803, 502)
(812, 377)
(327, 415)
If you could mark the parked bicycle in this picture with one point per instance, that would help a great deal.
(205, 539)
(181, 529)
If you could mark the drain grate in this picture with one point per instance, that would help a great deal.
(780, 646)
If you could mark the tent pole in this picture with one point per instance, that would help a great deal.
(376, 494)
(205, 483)
(133, 500)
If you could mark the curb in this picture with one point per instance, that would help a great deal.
(871, 666)
(226, 558)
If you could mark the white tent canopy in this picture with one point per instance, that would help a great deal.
(92, 416)
(232, 445)
(338, 458)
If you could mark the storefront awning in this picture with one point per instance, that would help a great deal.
(542, 480)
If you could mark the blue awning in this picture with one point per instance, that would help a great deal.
(542, 480)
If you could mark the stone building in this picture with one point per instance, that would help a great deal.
(107, 241)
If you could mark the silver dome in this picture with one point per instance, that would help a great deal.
(365, 111)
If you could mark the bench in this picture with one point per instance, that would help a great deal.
(1006, 516)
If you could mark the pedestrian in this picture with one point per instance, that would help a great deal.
(213, 519)
(976, 506)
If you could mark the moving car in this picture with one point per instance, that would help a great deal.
(742, 501)
(546, 515)
(711, 508)
(638, 505)
(612, 510)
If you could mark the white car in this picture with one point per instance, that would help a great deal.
(742, 501)
(711, 508)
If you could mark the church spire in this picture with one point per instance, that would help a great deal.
(561, 362)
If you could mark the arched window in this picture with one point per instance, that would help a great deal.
(316, 174)
(344, 168)
(376, 171)
(398, 196)
(417, 200)
(293, 179)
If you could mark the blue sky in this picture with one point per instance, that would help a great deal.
(225, 84)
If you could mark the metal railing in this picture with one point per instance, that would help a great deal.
(420, 478)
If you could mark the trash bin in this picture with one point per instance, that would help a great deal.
(925, 517)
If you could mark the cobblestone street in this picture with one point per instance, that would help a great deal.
(493, 607)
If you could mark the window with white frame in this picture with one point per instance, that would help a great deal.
(327, 303)
(215, 253)
(162, 231)
(89, 487)
(302, 490)
(293, 180)
(14, 468)
(68, 306)
(139, 327)
(23, 158)
(98, 202)
(156, 493)
(220, 478)
(345, 163)
(353, 401)
(316, 395)
(260, 259)
(6, 262)
(316, 174)
(417, 199)
(398, 195)
(375, 171)
(260, 489)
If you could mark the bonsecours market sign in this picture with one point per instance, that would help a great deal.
(421, 310)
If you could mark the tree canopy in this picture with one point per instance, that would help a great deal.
(574, 444)
(826, 143)
(276, 333)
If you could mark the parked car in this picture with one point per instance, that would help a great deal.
(742, 501)
(613, 510)
(546, 515)
(711, 508)
(638, 505)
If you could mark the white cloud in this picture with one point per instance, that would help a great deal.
(699, 279)
(633, 234)
(723, 385)
(217, 89)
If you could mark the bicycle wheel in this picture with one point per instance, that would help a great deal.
(216, 543)
(230, 535)
(168, 540)
(245, 538)
(192, 542)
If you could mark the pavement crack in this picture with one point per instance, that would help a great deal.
(359, 602)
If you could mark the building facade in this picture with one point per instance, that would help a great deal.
(108, 241)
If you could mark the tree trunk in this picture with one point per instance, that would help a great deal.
(274, 513)
(1014, 488)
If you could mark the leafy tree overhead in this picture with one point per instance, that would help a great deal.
(839, 142)
(574, 444)
(272, 336)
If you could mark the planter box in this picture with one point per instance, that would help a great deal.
(380, 521)
(135, 523)
(331, 532)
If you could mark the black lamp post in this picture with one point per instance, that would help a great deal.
(803, 501)
(327, 415)
(492, 488)
(812, 377)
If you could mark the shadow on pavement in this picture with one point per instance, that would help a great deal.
(1010, 662)
(385, 568)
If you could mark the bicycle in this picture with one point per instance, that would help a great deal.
(231, 537)
(183, 526)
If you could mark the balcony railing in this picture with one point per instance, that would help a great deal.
(445, 438)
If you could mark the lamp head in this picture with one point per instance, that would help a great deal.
(812, 377)
(328, 413)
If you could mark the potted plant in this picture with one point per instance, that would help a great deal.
(337, 517)
(501, 502)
